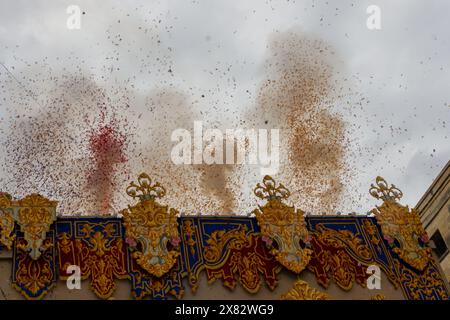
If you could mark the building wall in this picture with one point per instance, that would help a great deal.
(434, 210)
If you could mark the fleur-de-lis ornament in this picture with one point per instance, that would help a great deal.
(151, 227)
(282, 224)
(383, 191)
(402, 224)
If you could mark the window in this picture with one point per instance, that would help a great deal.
(440, 246)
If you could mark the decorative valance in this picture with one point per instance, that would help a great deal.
(155, 249)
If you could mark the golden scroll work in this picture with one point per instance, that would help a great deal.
(401, 226)
(6, 221)
(151, 227)
(303, 291)
(34, 214)
(283, 227)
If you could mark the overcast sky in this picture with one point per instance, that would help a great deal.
(402, 70)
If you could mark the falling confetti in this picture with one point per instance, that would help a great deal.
(79, 126)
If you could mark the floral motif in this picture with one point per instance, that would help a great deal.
(302, 291)
(131, 242)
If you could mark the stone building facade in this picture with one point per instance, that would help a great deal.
(434, 211)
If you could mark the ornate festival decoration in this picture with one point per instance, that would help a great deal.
(7, 235)
(151, 227)
(343, 238)
(231, 249)
(190, 242)
(34, 214)
(34, 278)
(303, 291)
(371, 230)
(334, 257)
(343, 248)
(240, 253)
(145, 285)
(96, 245)
(401, 226)
(426, 285)
(283, 228)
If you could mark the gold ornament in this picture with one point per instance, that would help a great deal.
(6, 221)
(302, 291)
(34, 214)
(400, 223)
(102, 260)
(338, 255)
(371, 230)
(152, 226)
(284, 225)
(343, 238)
(188, 230)
(239, 254)
(234, 239)
(427, 285)
(5, 200)
(33, 278)
(378, 296)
